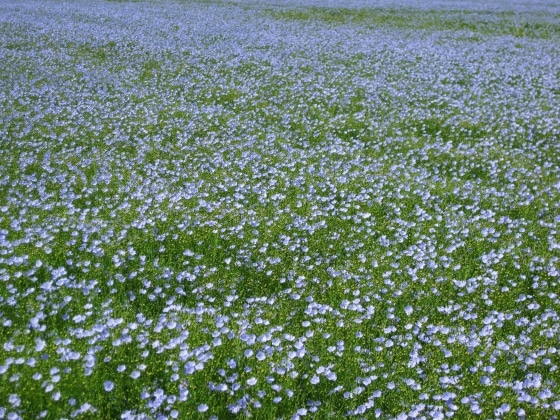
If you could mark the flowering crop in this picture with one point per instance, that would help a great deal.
(279, 210)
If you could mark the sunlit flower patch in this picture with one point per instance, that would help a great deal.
(279, 209)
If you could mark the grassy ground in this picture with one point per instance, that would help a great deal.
(277, 211)
(532, 25)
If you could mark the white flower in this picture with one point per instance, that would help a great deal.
(14, 400)
(331, 376)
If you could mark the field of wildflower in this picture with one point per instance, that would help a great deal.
(279, 209)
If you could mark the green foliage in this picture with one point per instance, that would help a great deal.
(489, 23)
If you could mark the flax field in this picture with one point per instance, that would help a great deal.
(279, 209)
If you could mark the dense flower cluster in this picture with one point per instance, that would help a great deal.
(217, 208)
